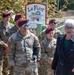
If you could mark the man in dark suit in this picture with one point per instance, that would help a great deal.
(63, 62)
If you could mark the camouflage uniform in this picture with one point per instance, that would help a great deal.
(2, 48)
(4, 37)
(21, 52)
(4, 31)
(42, 34)
(47, 52)
(12, 30)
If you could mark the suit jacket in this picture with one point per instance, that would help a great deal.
(63, 61)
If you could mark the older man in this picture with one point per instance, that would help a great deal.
(63, 61)
(24, 50)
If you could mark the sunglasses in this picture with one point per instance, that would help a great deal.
(53, 24)
(25, 25)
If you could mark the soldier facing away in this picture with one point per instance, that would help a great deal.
(23, 50)
(4, 26)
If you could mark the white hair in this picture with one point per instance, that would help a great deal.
(69, 21)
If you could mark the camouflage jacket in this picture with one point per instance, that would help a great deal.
(12, 30)
(4, 31)
(48, 47)
(22, 48)
(42, 34)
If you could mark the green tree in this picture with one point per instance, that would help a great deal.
(66, 4)
(70, 4)
(18, 6)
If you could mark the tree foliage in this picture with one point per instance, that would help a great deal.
(18, 6)
(66, 4)
(70, 4)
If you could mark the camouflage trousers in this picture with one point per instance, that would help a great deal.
(26, 69)
(1, 67)
(5, 64)
(10, 70)
(44, 67)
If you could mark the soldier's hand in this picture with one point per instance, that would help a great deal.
(50, 61)
(1, 43)
(38, 58)
(6, 48)
(53, 72)
(73, 70)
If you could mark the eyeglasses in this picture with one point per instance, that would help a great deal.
(69, 28)
(25, 25)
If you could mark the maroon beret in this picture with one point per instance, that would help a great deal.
(5, 14)
(50, 28)
(52, 21)
(18, 16)
(22, 21)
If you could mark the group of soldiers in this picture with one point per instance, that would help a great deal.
(20, 50)
(48, 38)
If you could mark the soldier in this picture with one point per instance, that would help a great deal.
(3, 48)
(23, 50)
(52, 22)
(4, 26)
(13, 30)
(48, 46)
(15, 27)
